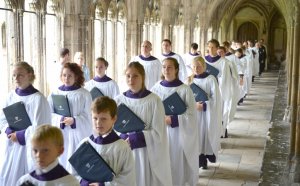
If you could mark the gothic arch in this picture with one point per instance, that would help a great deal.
(247, 31)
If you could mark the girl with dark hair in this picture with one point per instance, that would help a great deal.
(79, 125)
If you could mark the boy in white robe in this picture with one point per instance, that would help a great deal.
(105, 84)
(224, 80)
(208, 113)
(15, 156)
(167, 52)
(188, 57)
(151, 64)
(79, 125)
(47, 145)
(150, 146)
(182, 130)
(115, 151)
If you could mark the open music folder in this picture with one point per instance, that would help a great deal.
(16, 116)
(174, 105)
(128, 121)
(61, 105)
(90, 165)
(199, 94)
(212, 70)
(96, 92)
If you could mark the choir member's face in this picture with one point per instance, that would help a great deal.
(68, 77)
(197, 67)
(212, 49)
(238, 54)
(79, 59)
(146, 49)
(21, 77)
(221, 52)
(45, 152)
(168, 70)
(103, 122)
(166, 47)
(134, 80)
(100, 68)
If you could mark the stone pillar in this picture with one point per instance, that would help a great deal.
(294, 90)
(19, 34)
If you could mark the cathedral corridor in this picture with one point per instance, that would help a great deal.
(242, 153)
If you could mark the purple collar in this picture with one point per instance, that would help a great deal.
(201, 76)
(55, 173)
(212, 59)
(102, 79)
(228, 54)
(141, 94)
(169, 54)
(110, 138)
(196, 54)
(242, 56)
(174, 83)
(27, 91)
(68, 88)
(150, 58)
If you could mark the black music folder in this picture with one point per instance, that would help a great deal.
(212, 70)
(174, 105)
(16, 116)
(61, 105)
(90, 165)
(199, 94)
(128, 121)
(96, 92)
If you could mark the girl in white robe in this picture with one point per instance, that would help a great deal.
(209, 113)
(150, 146)
(104, 83)
(15, 156)
(182, 129)
(78, 126)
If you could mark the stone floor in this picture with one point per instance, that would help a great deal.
(241, 156)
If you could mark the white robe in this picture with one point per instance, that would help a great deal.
(80, 105)
(188, 59)
(255, 67)
(183, 153)
(152, 70)
(118, 156)
(209, 121)
(232, 61)
(182, 69)
(224, 80)
(109, 88)
(243, 88)
(153, 161)
(67, 180)
(16, 159)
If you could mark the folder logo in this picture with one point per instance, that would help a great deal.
(17, 119)
(171, 107)
(89, 167)
(124, 122)
(60, 107)
(195, 95)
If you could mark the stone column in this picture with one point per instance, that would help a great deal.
(294, 90)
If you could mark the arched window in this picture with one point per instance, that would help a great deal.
(6, 49)
(152, 27)
(120, 50)
(178, 33)
(197, 30)
(52, 45)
